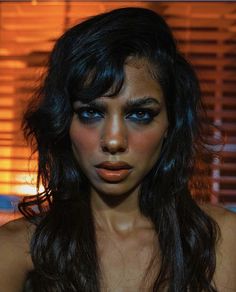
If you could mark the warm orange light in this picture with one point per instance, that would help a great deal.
(34, 2)
(12, 64)
(26, 189)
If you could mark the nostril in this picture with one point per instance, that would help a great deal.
(113, 145)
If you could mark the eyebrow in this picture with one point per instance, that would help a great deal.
(130, 103)
(146, 100)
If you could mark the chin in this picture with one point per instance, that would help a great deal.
(115, 190)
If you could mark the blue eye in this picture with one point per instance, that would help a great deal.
(89, 115)
(144, 116)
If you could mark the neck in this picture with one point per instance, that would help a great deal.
(119, 214)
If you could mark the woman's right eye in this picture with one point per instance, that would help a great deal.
(88, 115)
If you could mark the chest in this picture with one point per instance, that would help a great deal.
(127, 264)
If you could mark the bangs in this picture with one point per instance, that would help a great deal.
(92, 54)
(87, 81)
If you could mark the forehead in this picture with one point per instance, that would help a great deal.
(139, 82)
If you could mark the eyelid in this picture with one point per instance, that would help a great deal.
(141, 108)
(151, 111)
(96, 115)
(98, 107)
(87, 107)
(148, 116)
(128, 112)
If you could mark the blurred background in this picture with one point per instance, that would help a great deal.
(205, 33)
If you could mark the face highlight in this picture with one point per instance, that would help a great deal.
(129, 127)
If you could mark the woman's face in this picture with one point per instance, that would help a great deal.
(117, 140)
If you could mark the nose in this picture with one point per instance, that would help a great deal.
(114, 136)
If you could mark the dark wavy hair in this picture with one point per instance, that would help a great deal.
(87, 61)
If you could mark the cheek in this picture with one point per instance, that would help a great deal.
(147, 144)
(84, 141)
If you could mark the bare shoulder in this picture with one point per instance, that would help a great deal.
(216, 211)
(225, 276)
(15, 254)
(225, 219)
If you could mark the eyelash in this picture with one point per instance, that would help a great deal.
(93, 111)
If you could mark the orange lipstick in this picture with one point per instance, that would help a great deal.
(113, 171)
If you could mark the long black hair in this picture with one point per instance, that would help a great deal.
(88, 61)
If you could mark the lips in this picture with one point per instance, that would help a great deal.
(114, 165)
(113, 171)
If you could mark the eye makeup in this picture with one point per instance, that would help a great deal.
(89, 115)
(142, 115)
(139, 110)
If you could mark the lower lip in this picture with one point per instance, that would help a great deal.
(113, 175)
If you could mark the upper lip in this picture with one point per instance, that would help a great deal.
(114, 165)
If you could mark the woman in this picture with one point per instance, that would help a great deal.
(118, 131)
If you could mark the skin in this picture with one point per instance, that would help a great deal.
(124, 235)
(126, 240)
(118, 137)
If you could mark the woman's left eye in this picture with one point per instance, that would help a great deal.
(142, 116)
